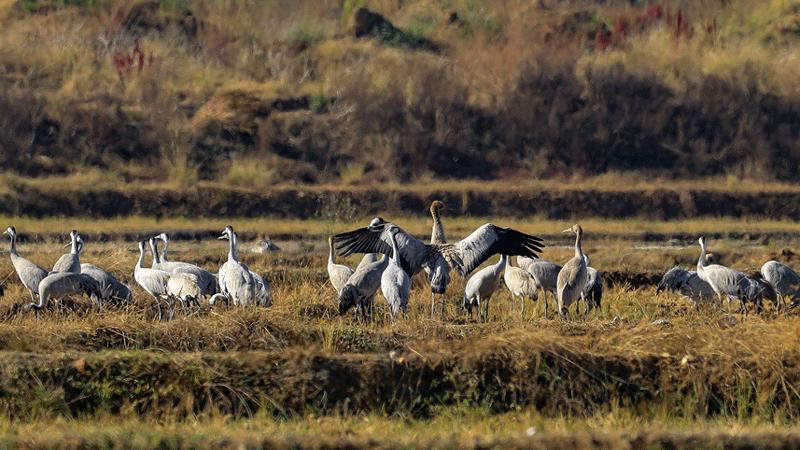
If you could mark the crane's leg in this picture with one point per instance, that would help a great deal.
(433, 305)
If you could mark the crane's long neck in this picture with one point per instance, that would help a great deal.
(437, 232)
(331, 253)
(395, 259)
(166, 247)
(501, 265)
(14, 244)
(578, 251)
(232, 254)
(154, 249)
(140, 263)
(702, 263)
(74, 248)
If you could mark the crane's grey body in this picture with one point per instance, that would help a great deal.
(481, 286)
(395, 282)
(263, 290)
(236, 282)
(360, 289)
(464, 255)
(205, 279)
(784, 280)
(111, 288)
(593, 291)
(338, 274)
(185, 287)
(70, 262)
(520, 283)
(572, 277)
(723, 280)
(687, 283)
(756, 290)
(64, 284)
(545, 274)
(154, 281)
(30, 274)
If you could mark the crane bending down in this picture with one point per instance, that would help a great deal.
(520, 283)
(62, 284)
(464, 255)
(545, 273)
(572, 277)
(236, 282)
(70, 262)
(481, 286)
(111, 288)
(593, 291)
(395, 282)
(784, 280)
(723, 280)
(205, 279)
(361, 287)
(30, 273)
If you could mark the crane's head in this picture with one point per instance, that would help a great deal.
(702, 242)
(437, 206)
(227, 233)
(10, 231)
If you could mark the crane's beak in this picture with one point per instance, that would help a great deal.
(567, 230)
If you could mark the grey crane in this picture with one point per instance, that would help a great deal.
(572, 277)
(30, 274)
(439, 273)
(236, 282)
(70, 262)
(205, 279)
(784, 280)
(63, 284)
(154, 281)
(545, 274)
(481, 286)
(337, 273)
(360, 289)
(185, 287)
(464, 255)
(756, 290)
(263, 290)
(520, 283)
(111, 288)
(687, 283)
(723, 280)
(395, 282)
(593, 291)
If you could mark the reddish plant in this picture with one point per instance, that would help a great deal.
(126, 62)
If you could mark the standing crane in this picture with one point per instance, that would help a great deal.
(236, 282)
(572, 277)
(439, 274)
(481, 286)
(395, 282)
(464, 255)
(337, 273)
(723, 280)
(154, 281)
(30, 274)
(70, 262)
(360, 289)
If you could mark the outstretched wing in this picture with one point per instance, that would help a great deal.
(375, 239)
(489, 240)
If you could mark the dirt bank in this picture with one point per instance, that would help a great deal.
(310, 202)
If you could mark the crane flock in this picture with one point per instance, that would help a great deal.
(172, 283)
